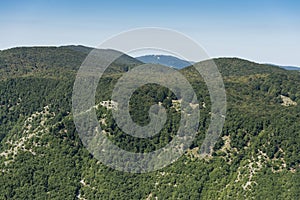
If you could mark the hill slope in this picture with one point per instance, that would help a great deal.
(41, 155)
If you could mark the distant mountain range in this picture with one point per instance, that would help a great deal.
(177, 63)
(290, 68)
(170, 61)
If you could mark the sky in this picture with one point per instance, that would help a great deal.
(265, 31)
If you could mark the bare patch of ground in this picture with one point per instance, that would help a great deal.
(27, 133)
(287, 101)
(110, 104)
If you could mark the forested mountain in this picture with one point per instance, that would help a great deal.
(42, 156)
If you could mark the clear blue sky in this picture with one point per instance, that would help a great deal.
(259, 30)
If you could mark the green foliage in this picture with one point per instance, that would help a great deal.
(260, 143)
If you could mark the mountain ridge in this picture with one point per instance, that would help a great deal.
(152, 58)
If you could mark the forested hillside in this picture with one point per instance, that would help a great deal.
(42, 156)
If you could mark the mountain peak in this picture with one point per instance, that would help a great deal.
(167, 60)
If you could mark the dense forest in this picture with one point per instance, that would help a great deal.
(42, 156)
